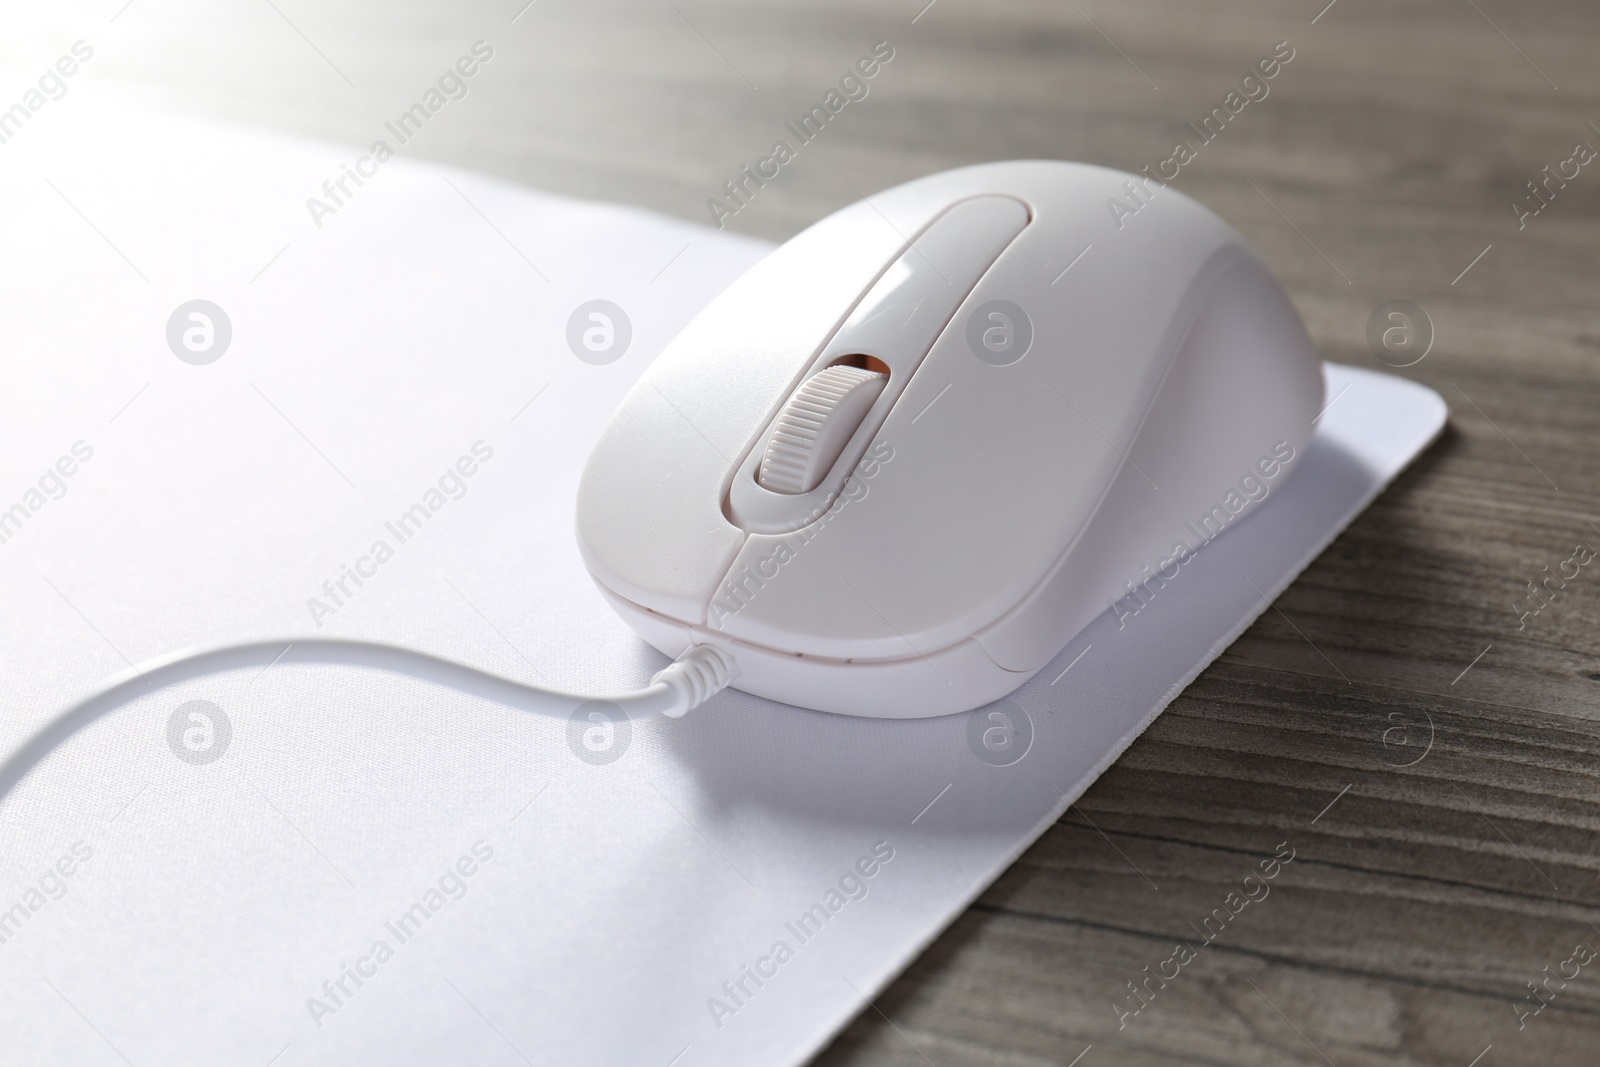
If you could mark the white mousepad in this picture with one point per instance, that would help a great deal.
(318, 865)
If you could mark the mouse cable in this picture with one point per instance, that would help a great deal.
(686, 683)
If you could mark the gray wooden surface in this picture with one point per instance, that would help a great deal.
(1421, 902)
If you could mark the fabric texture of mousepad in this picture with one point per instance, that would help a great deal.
(331, 865)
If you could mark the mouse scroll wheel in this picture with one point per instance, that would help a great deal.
(815, 425)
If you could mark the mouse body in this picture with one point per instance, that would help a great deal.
(901, 462)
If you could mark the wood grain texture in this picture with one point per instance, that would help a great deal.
(1384, 160)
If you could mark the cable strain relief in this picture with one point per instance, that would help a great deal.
(698, 675)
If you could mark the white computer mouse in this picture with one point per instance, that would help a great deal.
(899, 464)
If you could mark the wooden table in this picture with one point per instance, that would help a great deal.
(1430, 756)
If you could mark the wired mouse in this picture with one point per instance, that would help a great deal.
(899, 464)
(895, 468)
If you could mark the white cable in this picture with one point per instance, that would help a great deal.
(686, 683)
